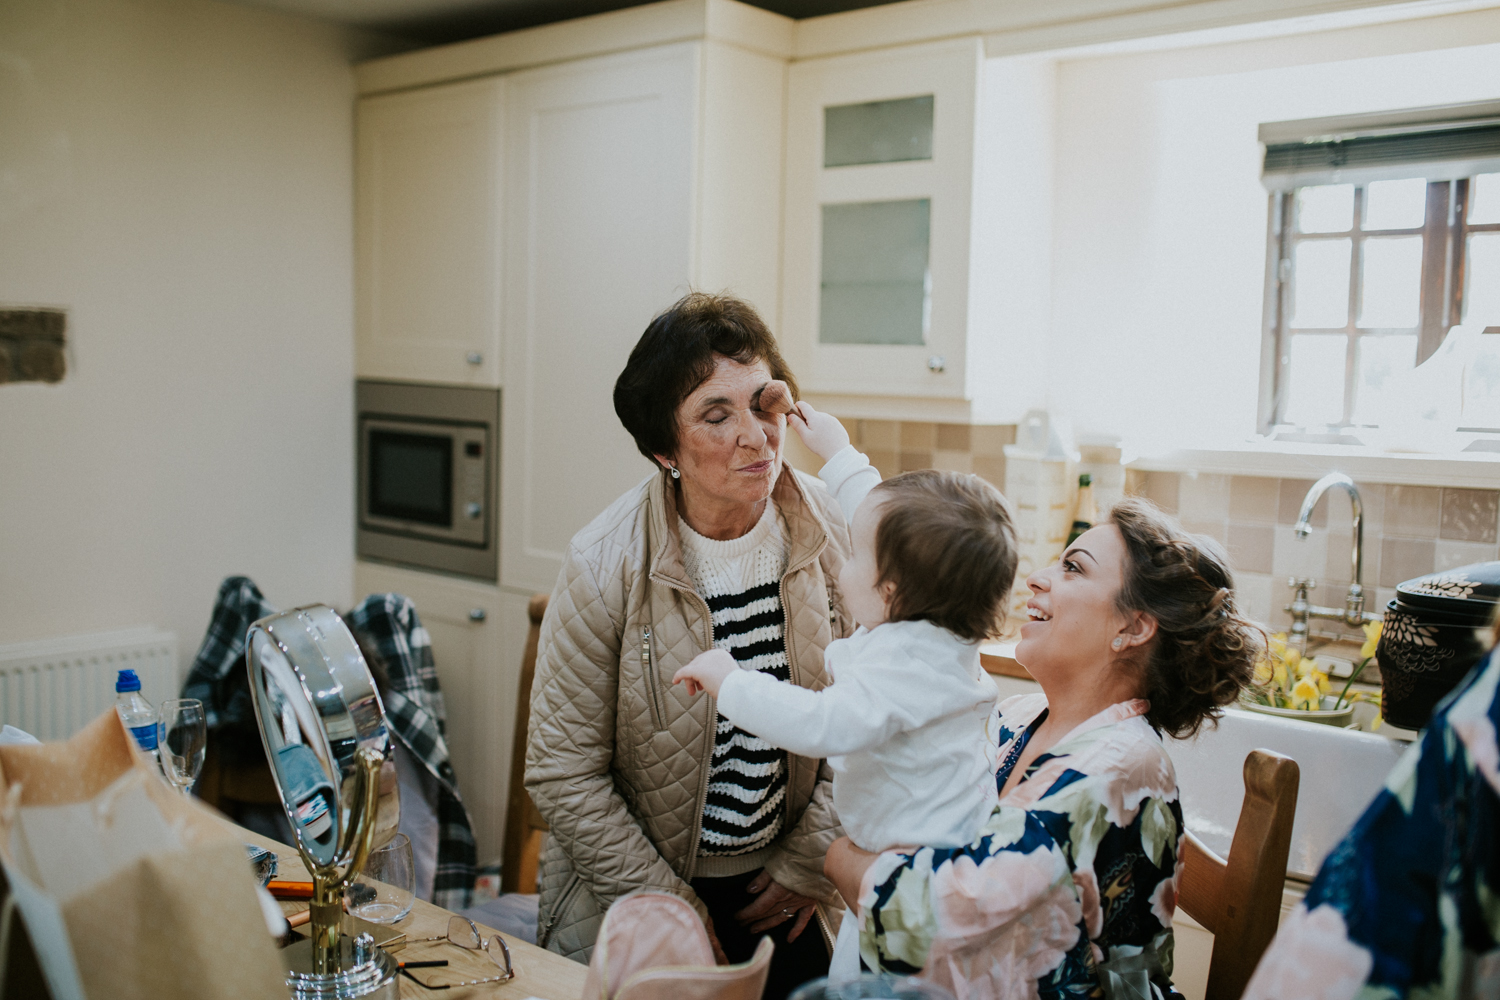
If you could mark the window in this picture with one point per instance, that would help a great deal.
(1372, 260)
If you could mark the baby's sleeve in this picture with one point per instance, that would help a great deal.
(850, 478)
(844, 718)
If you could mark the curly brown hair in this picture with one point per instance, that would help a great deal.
(1204, 651)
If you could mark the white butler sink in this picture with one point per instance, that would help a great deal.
(1341, 770)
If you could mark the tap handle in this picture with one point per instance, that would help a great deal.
(1303, 584)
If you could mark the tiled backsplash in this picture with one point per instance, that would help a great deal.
(1409, 531)
(905, 446)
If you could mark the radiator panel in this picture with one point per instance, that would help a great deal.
(54, 687)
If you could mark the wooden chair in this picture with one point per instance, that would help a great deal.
(524, 826)
(1239, 900)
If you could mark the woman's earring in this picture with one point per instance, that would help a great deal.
(1117, 643)
(675, 473)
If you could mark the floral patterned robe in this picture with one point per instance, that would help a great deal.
(1070, 888)
(1408, 904)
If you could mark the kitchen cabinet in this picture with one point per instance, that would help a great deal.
(911, 281)
(427, 226)
(478, 635)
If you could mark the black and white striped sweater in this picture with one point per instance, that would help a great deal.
(741, 581)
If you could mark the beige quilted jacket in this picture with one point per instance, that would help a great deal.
(618, 757)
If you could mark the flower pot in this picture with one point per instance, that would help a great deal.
(1433, 636)
(1326, 716)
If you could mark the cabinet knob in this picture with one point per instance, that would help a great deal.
(936, 363)
(474, 358)
(472, 510)
(477, 615)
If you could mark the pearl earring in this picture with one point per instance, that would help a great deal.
(1117, 643)
(675, 473)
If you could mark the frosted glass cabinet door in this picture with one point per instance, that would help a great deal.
(879, 193)
(427, 224)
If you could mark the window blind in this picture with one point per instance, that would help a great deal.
(1440, 143)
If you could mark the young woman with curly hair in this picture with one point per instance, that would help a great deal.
(1070, 888)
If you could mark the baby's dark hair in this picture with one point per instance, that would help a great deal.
(1204, 651)
(946, 542)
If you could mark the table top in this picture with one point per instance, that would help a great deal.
(539, 973)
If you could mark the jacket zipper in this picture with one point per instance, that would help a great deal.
(648, 670)
(569, 891)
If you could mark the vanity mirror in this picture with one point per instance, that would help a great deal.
(324, 731)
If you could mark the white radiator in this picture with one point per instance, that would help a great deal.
(54, 687)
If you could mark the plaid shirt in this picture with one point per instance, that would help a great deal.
(388, 626)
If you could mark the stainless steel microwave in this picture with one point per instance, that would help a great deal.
(428, 484)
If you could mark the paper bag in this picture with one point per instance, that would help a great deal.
(128, 890)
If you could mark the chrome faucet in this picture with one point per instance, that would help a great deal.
(1353, 613)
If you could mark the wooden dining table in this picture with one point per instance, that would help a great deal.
(539, 973)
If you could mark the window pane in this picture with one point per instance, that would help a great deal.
(1320, 283)
(1482, 385)
(1392, 292)
(1328, 208)
(1396, 204)
(1377, 359)
(1484, 199)
(878, 132)
(875, 280)
(1482, 297)
(1316, 393)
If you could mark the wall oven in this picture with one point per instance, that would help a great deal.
(428, 484)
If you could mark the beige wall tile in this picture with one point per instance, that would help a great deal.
(1203, 498)
(880, 435)
(1253, 499)
(991, 439)
(1339, 569)
(1405, 558)
(1469, 515)
(953, 461)
(911, 461)
(885, 461)
(954, 437)
(1292, 492)
(918, 436)
(991, 468)
(1300, 557)
(1251, 547)
(855, 429)
(1162, 489)
(1451, 554)
(1412, 511)
(1253, 595)
(1217, 530)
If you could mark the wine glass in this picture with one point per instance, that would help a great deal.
(384, 892)
(184, 735)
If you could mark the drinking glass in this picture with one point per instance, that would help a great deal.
(183, 737)
(868, 985)
(382, 893)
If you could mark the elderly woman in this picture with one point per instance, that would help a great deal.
(1070, 888)
(723, 546)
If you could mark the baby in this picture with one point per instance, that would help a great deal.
(904, 725)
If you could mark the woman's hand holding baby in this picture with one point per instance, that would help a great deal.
(821, 432)
(707, 672)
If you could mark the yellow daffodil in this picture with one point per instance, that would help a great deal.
(1277, 645)
(1320, 679)
(1372, 639)
(1263, 672)
(1293, 658)
(1305, 694)
(1278, 675)
(1307, 667)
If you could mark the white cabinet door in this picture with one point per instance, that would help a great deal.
(600, 199)
(427, 270)
(857, 214)
(478, 636)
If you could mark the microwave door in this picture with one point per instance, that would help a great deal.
(410, 479)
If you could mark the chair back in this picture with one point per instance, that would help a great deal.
(524, 826)
(1239, 900)
(653, 946)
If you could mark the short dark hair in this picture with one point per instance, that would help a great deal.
(677, 354)
(946, 542)
(1204, 651)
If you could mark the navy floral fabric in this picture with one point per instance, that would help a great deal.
(1408, 904)
(1070, 889)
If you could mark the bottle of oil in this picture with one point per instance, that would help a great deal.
(1084, 513)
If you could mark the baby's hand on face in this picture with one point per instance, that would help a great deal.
(707, 672)
(821, 432)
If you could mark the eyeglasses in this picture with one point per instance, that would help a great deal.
(464, 933)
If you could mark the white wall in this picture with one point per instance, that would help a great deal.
(1160, 218)
(177, 174)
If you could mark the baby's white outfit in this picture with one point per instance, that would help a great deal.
(904, 726)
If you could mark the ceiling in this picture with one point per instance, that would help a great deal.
(434, 22)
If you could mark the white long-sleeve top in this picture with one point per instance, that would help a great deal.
(904, 726)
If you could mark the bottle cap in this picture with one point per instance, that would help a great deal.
(127, 681)
(1086, 479)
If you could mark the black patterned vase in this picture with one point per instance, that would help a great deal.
(1435, 631)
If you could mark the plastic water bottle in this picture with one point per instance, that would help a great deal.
(136, 712)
